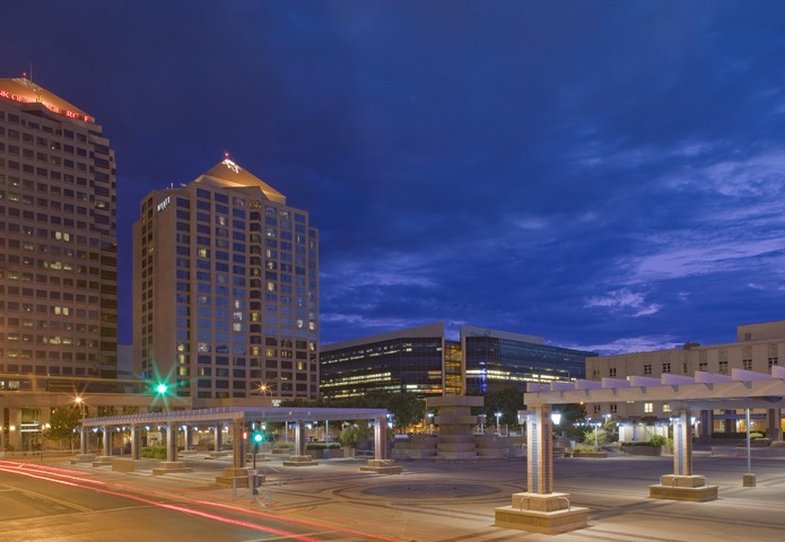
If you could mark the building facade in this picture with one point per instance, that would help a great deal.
(58, 246)
(497, 359)
(226, 290)
(58, 253)
(407, 360)
(758, 348)
(423, 361)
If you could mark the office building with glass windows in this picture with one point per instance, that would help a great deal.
(423, 361)
(407, 360)
(498, 359)
(226, 290)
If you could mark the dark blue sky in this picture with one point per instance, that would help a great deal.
(608, 175)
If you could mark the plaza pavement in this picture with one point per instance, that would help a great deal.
(454, 501)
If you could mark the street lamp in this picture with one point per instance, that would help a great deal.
(498, 416)
(430, 423)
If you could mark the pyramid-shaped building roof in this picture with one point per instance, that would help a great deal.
(228, 173)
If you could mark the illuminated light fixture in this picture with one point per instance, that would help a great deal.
(556, 418)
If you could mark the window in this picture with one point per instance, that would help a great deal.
(666, 407)
(647, 369)
(723, 367)
(648, 408)
(666, 367)
(773, 362)
(614, 408)
(702, 366)
(747, 364)
(612, 372)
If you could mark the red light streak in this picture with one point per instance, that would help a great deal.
(176, 508)
(25, 469)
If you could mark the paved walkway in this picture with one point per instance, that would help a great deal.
(439, 501)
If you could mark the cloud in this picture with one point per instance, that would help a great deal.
(625, 299)
(628, 345)
(761, 174)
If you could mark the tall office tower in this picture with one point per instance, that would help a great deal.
(226, 290)
(58, 252)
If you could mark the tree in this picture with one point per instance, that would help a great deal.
(508, 401)
(62, 424)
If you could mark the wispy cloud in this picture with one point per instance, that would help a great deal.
(626, 300)
(631, 344)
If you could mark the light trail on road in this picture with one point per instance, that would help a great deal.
(69, 478)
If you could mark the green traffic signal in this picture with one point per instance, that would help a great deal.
(161, 388)
(257, 437)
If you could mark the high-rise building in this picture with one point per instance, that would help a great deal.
(226, 290)
(58, 254)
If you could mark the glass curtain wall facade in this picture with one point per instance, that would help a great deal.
(496, 360)
(409, 360)
(226, 300)
(58, 253)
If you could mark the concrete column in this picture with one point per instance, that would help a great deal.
(380, 438)
(682, 444)
(107, 440)
(238, 443)
(774, 429)
(14, 428)
(218, 437)
(186, 437)
(706, 426)
(729, 424)
(539, 465)
(135, 440)
(83, 443)
(299, 441)
(171, 442)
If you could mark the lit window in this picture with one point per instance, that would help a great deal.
(648, 408)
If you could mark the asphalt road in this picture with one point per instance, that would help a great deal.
(39, 503)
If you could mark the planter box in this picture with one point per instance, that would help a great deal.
(642, 450)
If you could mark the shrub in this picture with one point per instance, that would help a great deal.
(657, 440)
(321, 445)
(283, 445)
(154, 452)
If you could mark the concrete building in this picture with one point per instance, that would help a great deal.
(226, 290)
(758, 348)
(58, 262)
(423, 361)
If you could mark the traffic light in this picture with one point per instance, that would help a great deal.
(257, 437)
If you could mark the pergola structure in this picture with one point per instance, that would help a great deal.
(238, 419)
(542, 509)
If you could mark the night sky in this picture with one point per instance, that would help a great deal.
(607, 175)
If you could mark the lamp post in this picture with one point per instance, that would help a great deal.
(430, 423)
(498, 416)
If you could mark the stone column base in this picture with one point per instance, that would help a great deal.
(549, 513)
(82, 458)
(167, 467)
(299, 461)
(382, 466)
(748, 480)
(236, 475)
(679, 487)
(124, 464)
(102, 460)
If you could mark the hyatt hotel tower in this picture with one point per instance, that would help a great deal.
(58, 262)
(226, 290)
